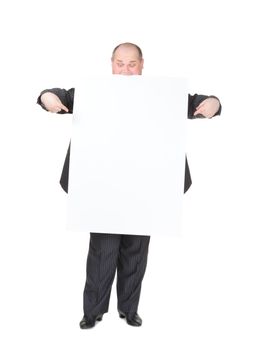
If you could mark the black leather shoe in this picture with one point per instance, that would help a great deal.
(87, 322)
(132, 318)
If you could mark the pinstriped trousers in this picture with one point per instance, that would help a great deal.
(108, 253)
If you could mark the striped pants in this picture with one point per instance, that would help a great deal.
(108, 253)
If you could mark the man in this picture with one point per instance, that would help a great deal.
(110, 252)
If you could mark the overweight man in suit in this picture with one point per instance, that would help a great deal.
(108, 253)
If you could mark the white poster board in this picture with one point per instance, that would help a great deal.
(127, 160)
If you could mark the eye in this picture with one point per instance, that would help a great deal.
(132, 65)
(120, 64)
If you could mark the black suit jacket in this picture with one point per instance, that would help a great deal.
(67, 98)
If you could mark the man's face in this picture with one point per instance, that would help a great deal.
(126, 61)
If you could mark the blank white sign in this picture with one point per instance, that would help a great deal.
(128, 155)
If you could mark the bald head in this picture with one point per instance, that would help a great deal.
(128, 46)
(127, 59)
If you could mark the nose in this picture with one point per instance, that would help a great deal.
(126, 71)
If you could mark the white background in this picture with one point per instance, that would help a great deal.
(197, 292)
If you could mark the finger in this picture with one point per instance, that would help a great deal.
(55, 110)
(63, 107)
(201, 104)
(200, 110)
(204, 113)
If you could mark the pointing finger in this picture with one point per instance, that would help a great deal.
(63, 107)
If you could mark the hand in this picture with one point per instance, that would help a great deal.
(208, 108)
(52, 103)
